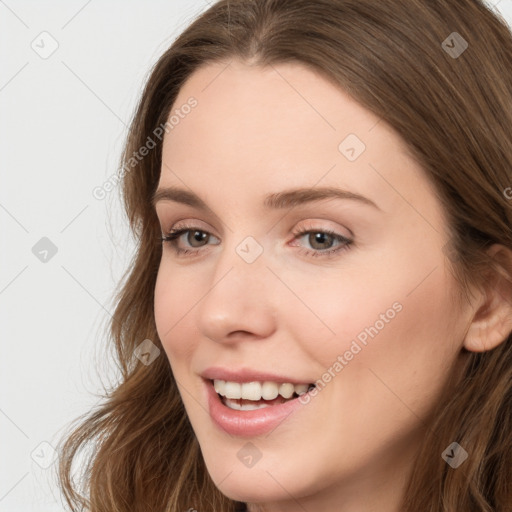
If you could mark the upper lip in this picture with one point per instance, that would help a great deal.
(248, 375)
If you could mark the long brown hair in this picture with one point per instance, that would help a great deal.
(454, 112)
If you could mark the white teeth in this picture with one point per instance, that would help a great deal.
(251, 390)
(286, 390)
(269, 390)
(300, 389)
(219, 386)
(233, 404)
(257, 390)
(232, 390)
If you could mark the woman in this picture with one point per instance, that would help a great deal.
(318, 315)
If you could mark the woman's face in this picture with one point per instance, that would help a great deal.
(367, 313)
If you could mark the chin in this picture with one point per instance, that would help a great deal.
(272, 479)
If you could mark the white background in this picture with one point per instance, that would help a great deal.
(63, 120)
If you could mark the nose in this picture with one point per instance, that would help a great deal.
(240, 301)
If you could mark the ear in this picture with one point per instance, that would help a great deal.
(492, 319)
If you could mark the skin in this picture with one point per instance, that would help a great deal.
(256, 131)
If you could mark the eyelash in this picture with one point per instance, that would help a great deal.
(174, 234)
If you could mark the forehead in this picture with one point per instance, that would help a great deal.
(272, 109)
(280, 126)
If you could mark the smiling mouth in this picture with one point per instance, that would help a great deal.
(249, 396)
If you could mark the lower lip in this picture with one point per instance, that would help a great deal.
(248, 423)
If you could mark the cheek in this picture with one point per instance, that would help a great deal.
(404, 362)
(396, 318)
(174, 302)
(331, 311)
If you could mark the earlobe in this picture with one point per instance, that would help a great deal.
(492, 319)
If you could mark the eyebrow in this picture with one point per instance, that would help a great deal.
(279, 200)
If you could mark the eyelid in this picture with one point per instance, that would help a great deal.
(344, 242)
(313, 225)
(185, 224)
(310, 226)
